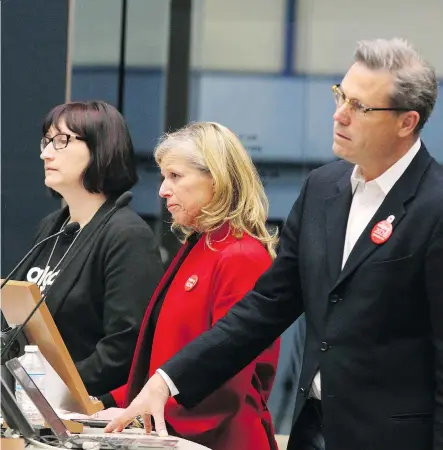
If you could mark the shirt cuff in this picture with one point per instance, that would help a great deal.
(172, 388)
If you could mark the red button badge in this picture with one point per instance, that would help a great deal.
(382, 231)
(191, 282)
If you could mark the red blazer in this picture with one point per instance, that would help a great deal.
(235, 417)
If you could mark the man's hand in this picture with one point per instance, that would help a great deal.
(150, 401)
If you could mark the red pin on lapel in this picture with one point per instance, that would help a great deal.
(382, 230)
(191, 282)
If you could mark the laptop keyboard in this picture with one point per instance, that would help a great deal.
(110, 442)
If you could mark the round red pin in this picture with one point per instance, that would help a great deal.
(191, 282)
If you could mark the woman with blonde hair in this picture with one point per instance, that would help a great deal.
(219, 209)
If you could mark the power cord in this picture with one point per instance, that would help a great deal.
(41, 444)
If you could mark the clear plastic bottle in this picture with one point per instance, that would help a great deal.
(33, 362)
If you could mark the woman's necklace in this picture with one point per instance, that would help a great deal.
(77, 234)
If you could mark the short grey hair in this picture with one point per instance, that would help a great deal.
(415, 81)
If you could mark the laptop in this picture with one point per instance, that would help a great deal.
(110, 441)
(12, 414)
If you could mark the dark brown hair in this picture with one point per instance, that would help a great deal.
(111, 169)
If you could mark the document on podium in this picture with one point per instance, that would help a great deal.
(105, 415)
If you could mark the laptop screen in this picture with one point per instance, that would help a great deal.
(36, 396)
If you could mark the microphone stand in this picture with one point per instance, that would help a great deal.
(15, 350)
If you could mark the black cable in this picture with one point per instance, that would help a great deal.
(122, 58)
(54, 441)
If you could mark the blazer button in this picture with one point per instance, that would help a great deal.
(304, 392)
(334, 298)
(324, 346)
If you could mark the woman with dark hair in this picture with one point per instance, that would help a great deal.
(98, 281)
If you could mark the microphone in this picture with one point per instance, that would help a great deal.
(69, 230)
(121, 202)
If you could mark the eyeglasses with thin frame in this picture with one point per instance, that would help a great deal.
(340, 99)
(59, 141)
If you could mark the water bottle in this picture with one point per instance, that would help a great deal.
(32, 361)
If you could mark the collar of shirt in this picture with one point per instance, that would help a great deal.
(386, 180)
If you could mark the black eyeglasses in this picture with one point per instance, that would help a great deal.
(340, 99)
(59, 141)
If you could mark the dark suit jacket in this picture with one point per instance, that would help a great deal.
(374, 329)
(100, 295)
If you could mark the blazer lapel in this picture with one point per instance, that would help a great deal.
(164, 282)
(75, 259)
(142, 353)
(337, 211)
(394, 204)
(363, 248)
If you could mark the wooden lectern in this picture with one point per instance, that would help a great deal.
(18, 300)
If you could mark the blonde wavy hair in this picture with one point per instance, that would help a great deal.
(239, 197)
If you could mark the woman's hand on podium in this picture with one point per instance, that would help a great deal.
(149, 402)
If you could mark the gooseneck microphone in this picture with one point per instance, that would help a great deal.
(69, 230)
(121, 202)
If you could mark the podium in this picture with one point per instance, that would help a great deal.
(19, 298)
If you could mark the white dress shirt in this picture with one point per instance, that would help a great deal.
(172, 388)
(367, 198)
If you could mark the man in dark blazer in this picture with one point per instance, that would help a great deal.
(362, 255)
